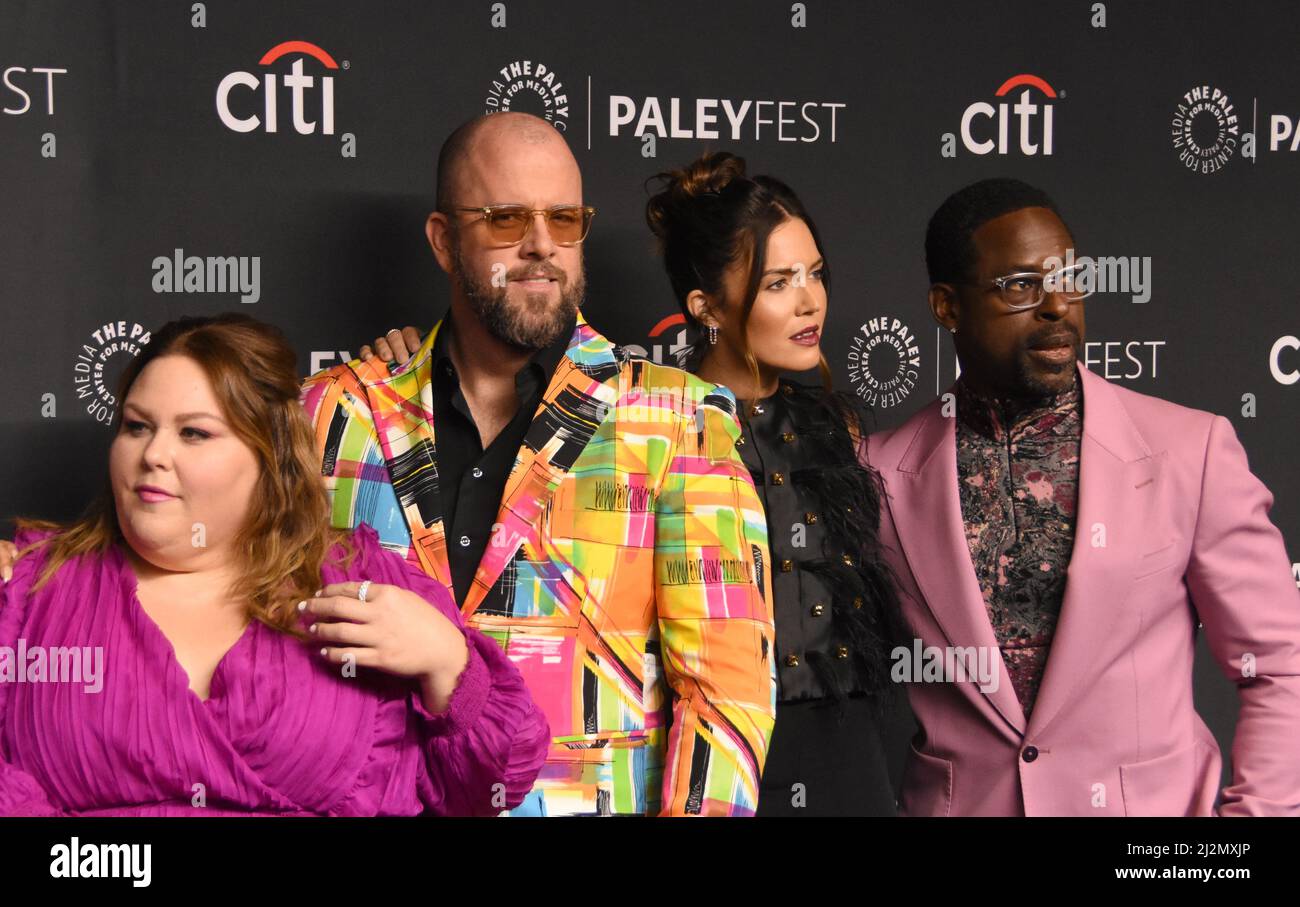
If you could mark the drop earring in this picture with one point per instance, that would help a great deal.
(713, 335)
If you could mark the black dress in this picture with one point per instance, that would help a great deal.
(835, 609)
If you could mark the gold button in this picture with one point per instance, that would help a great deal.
(848, 560)
(778, 479)
(788, 437)
(792, 661)
(787, 566)
(740, 441)
(842, 652)
(788, 389)
(810, 518)
(818, 609)
(857, 602)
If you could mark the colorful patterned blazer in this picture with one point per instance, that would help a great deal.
(632, 549)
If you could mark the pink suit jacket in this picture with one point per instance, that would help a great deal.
(1172, 529)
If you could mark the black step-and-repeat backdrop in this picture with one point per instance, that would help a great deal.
(169, 158)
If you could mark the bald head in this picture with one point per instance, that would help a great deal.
(487, 141)
(507, 159)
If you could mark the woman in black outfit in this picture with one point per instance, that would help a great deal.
(747, 267)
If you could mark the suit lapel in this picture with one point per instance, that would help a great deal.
(581, 391)
(1118, 480)
(926, 510)
(401, 406)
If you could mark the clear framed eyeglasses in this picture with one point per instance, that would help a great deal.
(1027, 289)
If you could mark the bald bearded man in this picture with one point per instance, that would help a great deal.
(586, 508)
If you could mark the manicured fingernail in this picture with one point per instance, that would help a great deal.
(302, 606)
(318, 592)
(311, 629)
(324, 653)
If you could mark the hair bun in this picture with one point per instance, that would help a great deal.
(709, 174)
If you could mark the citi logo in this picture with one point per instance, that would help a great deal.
(986, 128)
(673, 347)
(298, 86)
(1288, 373)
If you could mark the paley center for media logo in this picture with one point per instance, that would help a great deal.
(248, 101)
(94, 386)
(1205, 129)
(987, 129)
(530, 87)
(884, 361)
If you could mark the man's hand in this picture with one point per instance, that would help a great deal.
(8, 554)
(395, 346)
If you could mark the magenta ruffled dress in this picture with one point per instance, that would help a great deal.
(283, 733)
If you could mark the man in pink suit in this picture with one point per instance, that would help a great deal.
(1078, 536)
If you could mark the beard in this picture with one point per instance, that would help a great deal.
(530, 325)
(1035, 381)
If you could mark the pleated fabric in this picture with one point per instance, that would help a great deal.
(282, 733)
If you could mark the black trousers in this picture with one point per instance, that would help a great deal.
(822, 762)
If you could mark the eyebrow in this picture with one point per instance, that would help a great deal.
(180, 417)
(816, 264)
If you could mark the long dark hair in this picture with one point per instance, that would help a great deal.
(710, 216)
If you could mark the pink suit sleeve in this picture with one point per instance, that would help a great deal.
(1247, 601)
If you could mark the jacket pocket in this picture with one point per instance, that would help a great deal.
(631, 528)
(1160, 560)
(1164, 786)
(927, 785)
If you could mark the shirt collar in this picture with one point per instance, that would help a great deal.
(542, 363)
(999, 418)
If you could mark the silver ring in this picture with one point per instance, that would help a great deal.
(363, 590)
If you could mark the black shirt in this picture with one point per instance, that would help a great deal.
(471, 480)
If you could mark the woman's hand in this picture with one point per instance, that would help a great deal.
(395, 346)
(393, 630)
(8, 554)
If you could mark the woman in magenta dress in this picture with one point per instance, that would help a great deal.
(201, 643)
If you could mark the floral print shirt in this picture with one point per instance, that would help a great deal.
(1018, 475)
